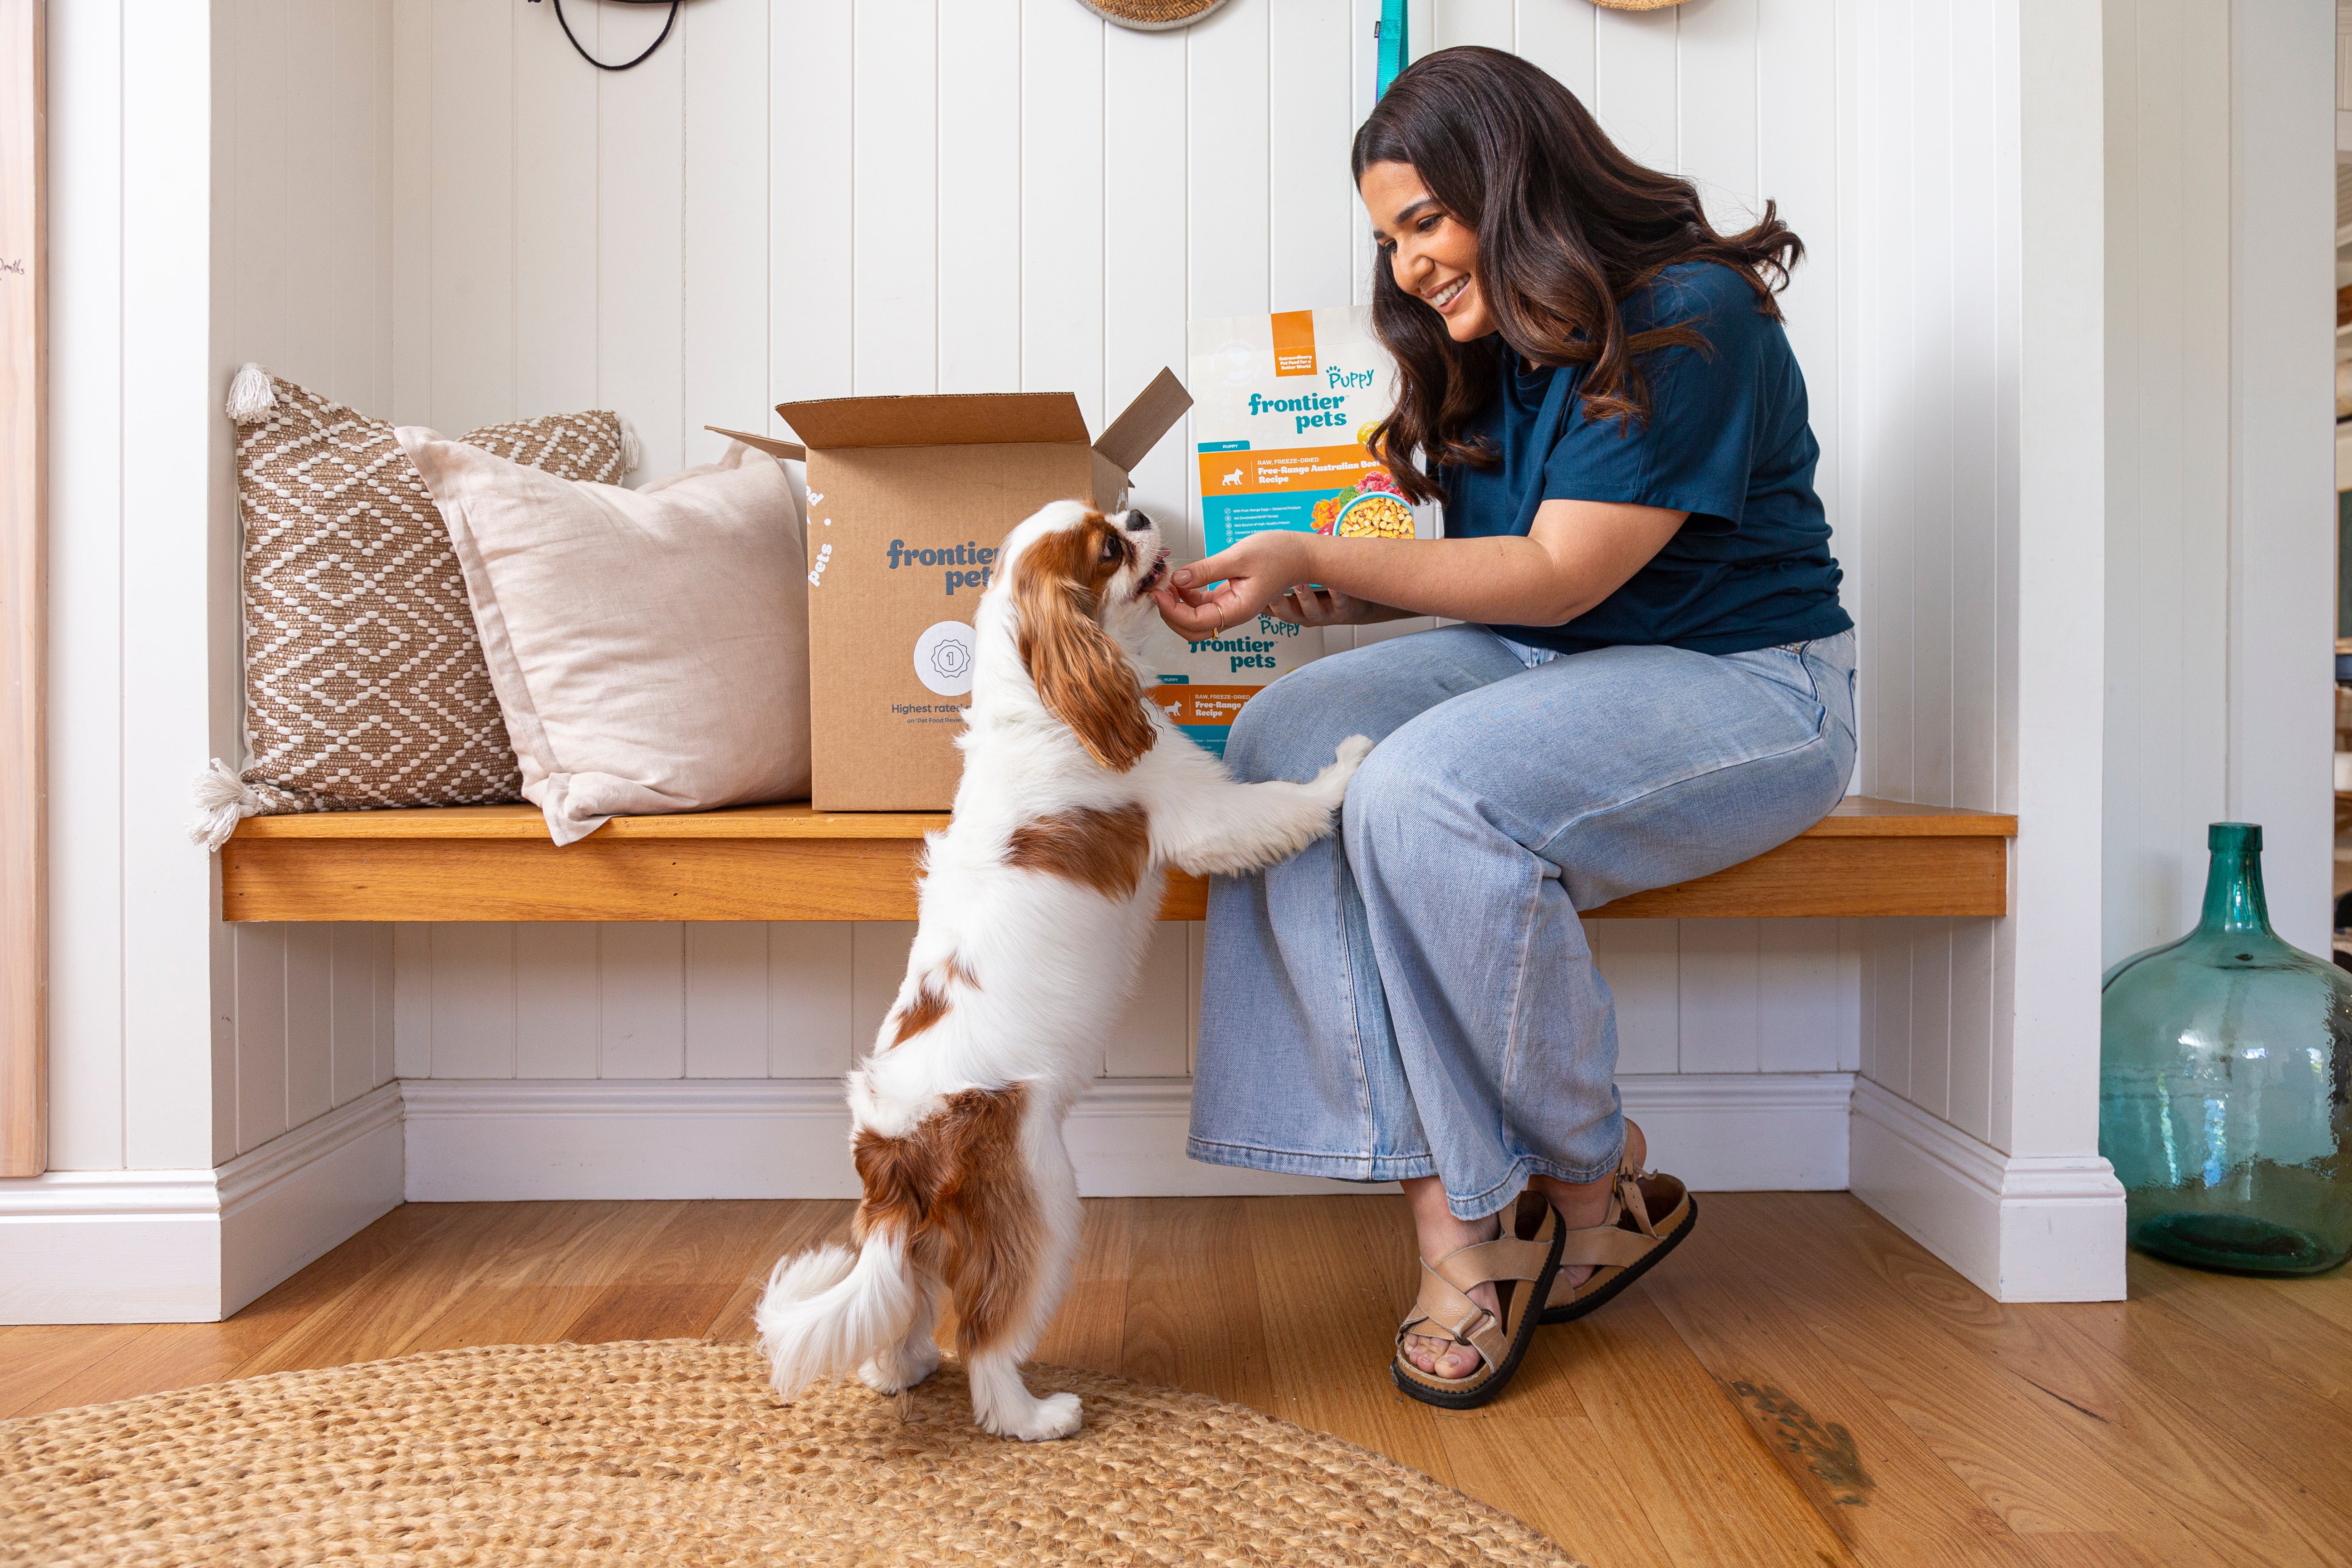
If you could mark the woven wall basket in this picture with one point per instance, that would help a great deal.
(1151, 16)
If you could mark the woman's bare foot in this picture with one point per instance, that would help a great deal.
(1438, 1233)
(1582, 1206)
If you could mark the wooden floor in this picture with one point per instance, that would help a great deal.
(1799, 1384)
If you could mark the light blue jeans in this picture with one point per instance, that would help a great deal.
(1414, 996)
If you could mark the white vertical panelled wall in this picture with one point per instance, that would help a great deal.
(434, 210)
(799, 200)
(1975, 525)
(2218, 502)
(222, 1107)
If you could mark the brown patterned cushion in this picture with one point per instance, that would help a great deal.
(364, 684)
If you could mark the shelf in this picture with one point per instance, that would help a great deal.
(791, 863)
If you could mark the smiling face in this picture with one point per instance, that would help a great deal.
(1431, 255)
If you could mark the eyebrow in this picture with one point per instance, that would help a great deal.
(1404, 214)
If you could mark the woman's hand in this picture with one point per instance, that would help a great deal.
(1253, 574)
(1576, 555)
(1308, 605)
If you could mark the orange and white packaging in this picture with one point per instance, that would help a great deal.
(1282, 407)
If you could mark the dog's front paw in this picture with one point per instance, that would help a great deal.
(1054, 1416)
(1333, 780)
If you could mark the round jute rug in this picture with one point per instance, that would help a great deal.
(676, 1452)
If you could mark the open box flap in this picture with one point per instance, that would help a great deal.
(768, 444)
(955, 420)
(1151, 416)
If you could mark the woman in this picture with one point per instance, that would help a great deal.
(1654, 682)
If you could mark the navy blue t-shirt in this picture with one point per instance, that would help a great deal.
(1726, 441)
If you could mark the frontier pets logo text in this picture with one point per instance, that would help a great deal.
(968, 564)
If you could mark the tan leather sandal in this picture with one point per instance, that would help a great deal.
(1649, 1215)
(1520, 1264)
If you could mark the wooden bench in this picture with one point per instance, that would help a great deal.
(791, 863)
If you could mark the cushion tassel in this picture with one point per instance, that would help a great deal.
(633, 451)
(250, 395)
(222, 801)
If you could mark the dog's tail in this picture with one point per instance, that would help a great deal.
(827, 1312)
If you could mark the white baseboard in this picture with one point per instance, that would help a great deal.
(502, 1140)
(110, 1246)
(2022, 1228)
(480, 1139)
(193, 1246)
(1745, 1132)
(301, 1195)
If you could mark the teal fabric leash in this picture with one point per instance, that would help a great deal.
(1394, 56)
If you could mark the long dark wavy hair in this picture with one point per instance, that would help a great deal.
(1567, 228)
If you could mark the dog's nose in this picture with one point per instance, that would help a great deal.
(1137, 522)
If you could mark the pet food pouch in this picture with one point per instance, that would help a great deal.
(1282, 406)
(1203, 684)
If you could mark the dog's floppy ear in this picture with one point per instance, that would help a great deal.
(1082, 675)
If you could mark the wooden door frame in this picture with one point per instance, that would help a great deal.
(24, 580)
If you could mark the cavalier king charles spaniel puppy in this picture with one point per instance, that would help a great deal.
(1036, 902)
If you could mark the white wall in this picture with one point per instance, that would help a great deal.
(800, 1000)
(1927, 466)
(2220, 500)
(131, 630)
(1975, 414)
(177, 1042)
(817, 199)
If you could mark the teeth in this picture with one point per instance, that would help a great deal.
(1446, 296)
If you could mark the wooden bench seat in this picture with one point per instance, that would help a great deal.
(791, 863)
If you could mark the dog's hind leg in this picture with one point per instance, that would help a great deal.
(996, 1331)
(903, 1366)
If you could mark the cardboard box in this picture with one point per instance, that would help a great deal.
(909, 500)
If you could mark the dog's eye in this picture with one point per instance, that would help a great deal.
(1111, 549)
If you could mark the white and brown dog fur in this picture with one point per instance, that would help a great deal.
(1036, 903)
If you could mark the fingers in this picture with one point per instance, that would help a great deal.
(1316, 606)
(1213, 613)
(1214, 569)
(1182, 595)
(1185, 620)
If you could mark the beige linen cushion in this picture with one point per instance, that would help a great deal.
(364, 684)
(649, 647)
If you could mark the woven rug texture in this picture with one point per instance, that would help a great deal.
(676, 1452)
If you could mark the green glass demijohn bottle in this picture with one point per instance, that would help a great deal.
(2223, 1064)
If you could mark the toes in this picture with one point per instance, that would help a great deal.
(1439, 1358)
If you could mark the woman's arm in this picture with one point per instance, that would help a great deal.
(1577, 553)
